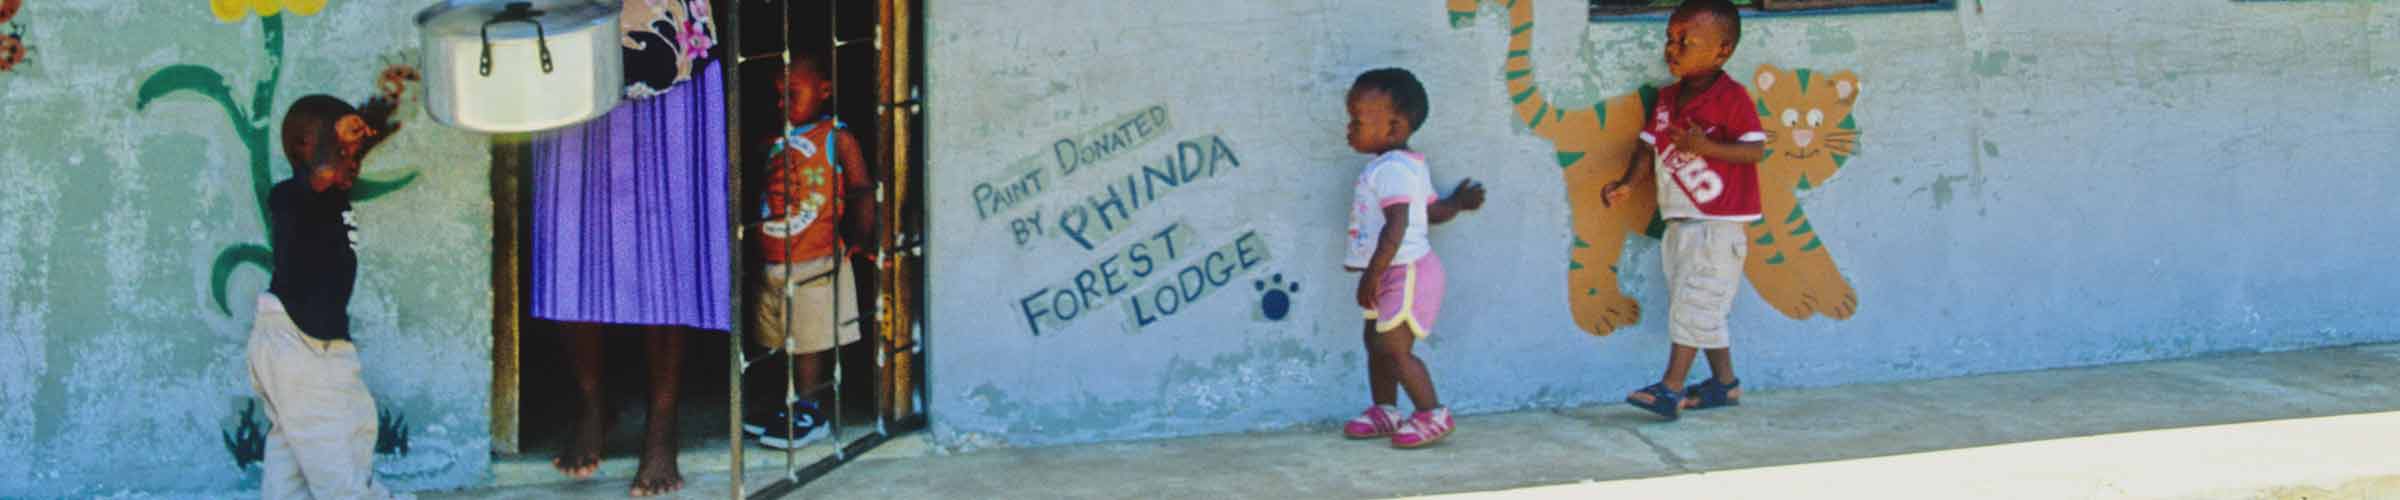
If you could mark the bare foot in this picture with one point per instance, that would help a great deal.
(580, 458)
(1643, 397)
(658, 475)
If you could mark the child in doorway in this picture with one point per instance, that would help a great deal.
(1704, 146)
(1401, 284)
(302, 363)
(815, 181)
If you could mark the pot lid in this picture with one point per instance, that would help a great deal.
(467, 18)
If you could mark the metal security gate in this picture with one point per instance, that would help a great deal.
(897, 252)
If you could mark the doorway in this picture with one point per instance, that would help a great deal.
(868, 48)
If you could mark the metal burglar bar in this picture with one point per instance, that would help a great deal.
(897, 409)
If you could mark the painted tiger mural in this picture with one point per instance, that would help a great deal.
(1789, 265)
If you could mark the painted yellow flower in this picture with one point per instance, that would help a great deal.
(234, 10)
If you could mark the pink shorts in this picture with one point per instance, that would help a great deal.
(1409, 294)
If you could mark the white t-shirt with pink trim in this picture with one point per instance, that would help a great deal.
(1396, 177)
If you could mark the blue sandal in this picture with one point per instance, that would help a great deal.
(1664, 402)
(1711, 394)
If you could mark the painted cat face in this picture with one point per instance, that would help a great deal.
(1807, 115)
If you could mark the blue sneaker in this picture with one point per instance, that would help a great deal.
(784, 430)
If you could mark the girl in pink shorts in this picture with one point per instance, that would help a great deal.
(1400, 290)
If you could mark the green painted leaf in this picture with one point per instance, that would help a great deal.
(1813, 244)
(1850, 122)
(183, 77)
(1777, 259)
(1569, 158)
(368, 189)
(1579, 243)
(232, 258)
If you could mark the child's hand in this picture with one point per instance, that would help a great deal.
(1691, 139)
(1468, 195)
(1613, 192)
(1366, 291)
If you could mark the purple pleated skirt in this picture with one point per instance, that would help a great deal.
(629, 213)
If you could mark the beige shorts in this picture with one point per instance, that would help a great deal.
(798, 302)
(1703, 259)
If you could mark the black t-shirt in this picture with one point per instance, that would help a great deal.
(316, 259)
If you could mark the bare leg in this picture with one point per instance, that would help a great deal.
(658, 474)
(1720, 364)
(808, 373)
(1679, 366)
(1720, 367)
(1398, 346)
(580, 457)
(1382, 384)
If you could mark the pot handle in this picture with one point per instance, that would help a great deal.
(516, 12)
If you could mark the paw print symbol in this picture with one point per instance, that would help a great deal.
(1275, 297)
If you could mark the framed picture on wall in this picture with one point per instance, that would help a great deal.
(1791, 5)
(1610, 8)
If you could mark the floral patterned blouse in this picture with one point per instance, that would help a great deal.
(666, 42)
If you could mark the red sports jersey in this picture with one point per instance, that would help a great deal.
(1692, 187)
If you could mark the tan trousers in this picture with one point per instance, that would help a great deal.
(322, 444)
(1703, 259)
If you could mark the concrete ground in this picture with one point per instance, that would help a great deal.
(2075, 433)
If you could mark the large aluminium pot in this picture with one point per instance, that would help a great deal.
(523, 65)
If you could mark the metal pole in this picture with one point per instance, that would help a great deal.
(791, 356)
(841, 258)
(729, 24)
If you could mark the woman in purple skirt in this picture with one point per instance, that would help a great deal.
(630, 227)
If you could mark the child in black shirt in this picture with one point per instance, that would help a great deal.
(301, 360)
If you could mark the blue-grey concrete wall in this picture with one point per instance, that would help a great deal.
(2035, 184)
(119, 219)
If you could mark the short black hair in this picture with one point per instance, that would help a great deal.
(1723, 11)
(1408, 95)
(308, 131)
(806, 60)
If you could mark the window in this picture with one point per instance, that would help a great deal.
(1618, 8)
